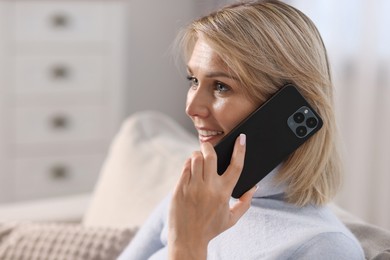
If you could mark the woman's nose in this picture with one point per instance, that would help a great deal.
(197, 104)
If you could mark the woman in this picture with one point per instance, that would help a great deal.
(236, 59)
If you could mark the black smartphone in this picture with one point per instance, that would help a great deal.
(274, 130)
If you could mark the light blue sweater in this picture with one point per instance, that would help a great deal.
(270, 229)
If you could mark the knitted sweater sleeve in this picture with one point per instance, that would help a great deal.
(148, 239)
(330, 245)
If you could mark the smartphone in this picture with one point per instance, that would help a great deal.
(274, 130)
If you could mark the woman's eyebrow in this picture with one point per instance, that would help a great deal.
(214, 74)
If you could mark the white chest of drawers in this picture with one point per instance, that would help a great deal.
(62, 89)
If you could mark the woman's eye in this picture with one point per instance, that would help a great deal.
(193, 81)
(220, 87)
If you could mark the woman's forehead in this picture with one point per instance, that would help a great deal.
(204, 56)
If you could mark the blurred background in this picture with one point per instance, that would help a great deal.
(72, 71)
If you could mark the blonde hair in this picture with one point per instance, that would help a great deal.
(267, 44)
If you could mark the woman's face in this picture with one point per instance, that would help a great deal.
(216, 102)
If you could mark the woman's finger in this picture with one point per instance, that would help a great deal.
(234, 169)
(209, 162)
(197, 166)
(241, 206)
(185, 176)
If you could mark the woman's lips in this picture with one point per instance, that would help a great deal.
(208, 135)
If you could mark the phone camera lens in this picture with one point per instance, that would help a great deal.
(311, 122)
(299, 117)
(301, 131)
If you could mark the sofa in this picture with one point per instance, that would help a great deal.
(141, 167)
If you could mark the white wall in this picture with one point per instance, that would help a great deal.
(2, 105)
(155, 82)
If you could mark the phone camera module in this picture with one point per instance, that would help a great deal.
(303, 122)
(299, 117)
(311, 122)
(301, 131)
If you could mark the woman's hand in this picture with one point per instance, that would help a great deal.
(200, 207)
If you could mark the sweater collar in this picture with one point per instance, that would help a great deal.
(268, 186)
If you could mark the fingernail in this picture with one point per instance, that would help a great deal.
(242, 139)
(254, 189)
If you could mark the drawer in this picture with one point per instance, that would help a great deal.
(55, 21)
(62, 74)
(55, 176)
(56, 125)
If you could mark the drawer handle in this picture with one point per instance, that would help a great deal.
(60, 21)
(60, 72)
(59, 172)
(60, 122)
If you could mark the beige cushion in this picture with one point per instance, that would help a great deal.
(29, 241)
(143, 164)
